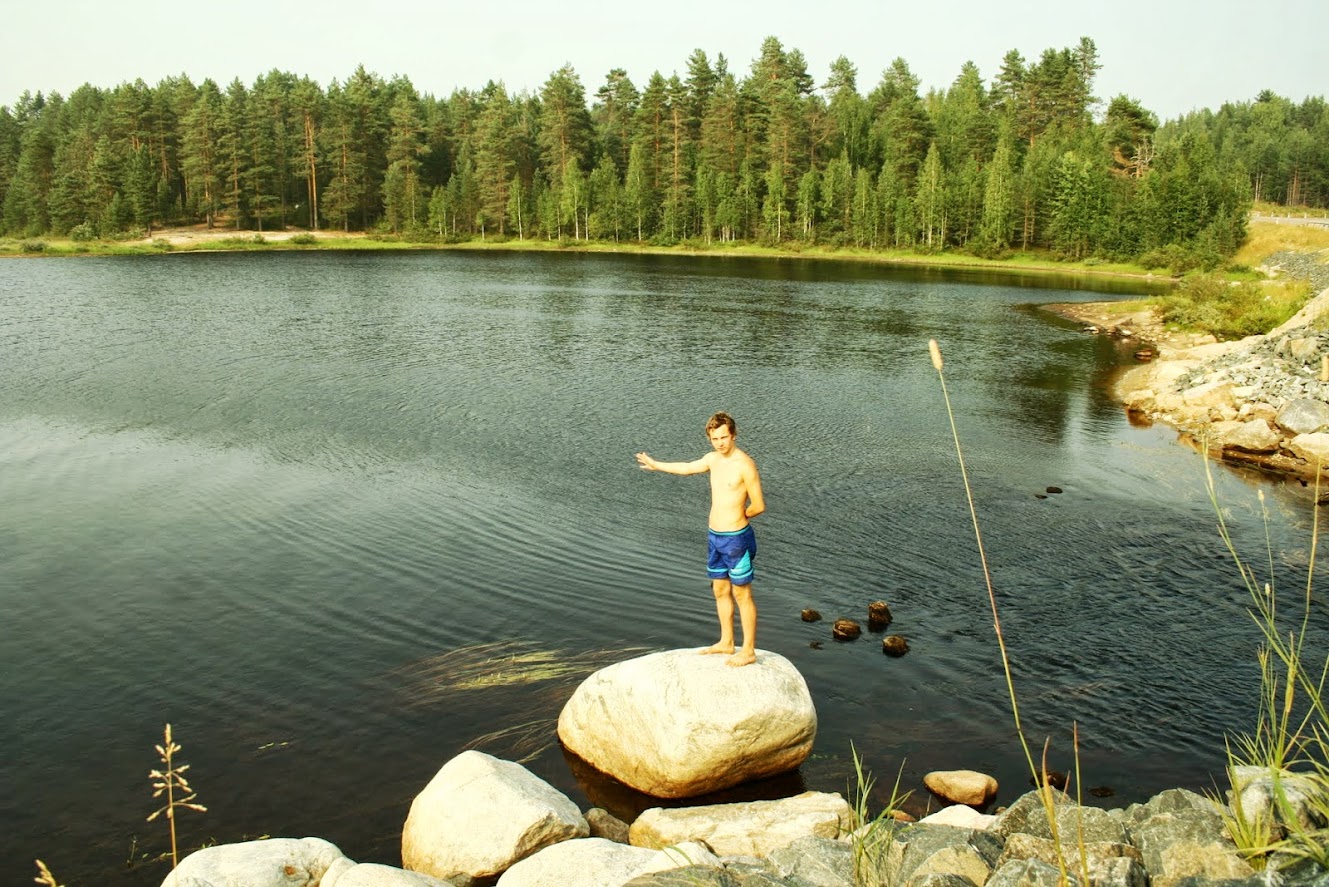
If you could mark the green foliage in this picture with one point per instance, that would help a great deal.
(82, 233)
(33, 246)
(1227, 309)
(302, 239)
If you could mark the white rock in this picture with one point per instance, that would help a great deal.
(371, 874)
(962, 786)
(275, 862)
(754, 828)
(960, 816)
(1314, 448)
(676, 724)
(1254, 436)
(479, 815)
(598, 862)
(1217, 393)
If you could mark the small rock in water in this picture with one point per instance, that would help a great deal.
(1054, 489)
(879, 615)
(811, 615)
(1040, 495)
(894, 645)
(1102, 791)
(846, 630)
(1055, 778)
(816, 645)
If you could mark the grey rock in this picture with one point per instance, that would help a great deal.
(1287, 799)
(923, 848)
(1023, 846)
(1120, 871)
(1304, 416)
(1176, 800)
(1295, 871)
(1029, 873)
(604, 824)
(1078, 824)
(1176, 846)
(1027, 809)
(820, 862)
(938, 879)
(689, 876)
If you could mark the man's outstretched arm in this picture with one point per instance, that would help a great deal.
(699, 466)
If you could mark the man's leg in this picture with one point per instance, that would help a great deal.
(724, 608)
(747, 614)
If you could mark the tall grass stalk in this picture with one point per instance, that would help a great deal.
(1040, 779)
(1292, 725)
(170, 781)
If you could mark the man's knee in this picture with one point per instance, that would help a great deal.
(721, 587)
(743, 592)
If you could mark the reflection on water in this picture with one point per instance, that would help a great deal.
(292, 504)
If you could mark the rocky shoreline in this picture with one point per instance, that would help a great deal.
(1261, 402)
(483, 821)
(669, 718)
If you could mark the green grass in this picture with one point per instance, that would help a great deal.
(1231, 309)
(870, 834)
(1291, 733)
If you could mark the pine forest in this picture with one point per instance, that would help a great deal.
(1030, 160)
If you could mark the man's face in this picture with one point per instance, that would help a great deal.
(722, 440)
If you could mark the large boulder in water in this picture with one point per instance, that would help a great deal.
(677, 724)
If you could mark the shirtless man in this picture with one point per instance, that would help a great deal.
(735, 498)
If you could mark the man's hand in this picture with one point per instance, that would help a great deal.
(646, 462)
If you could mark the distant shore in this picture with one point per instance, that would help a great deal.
(199, 238)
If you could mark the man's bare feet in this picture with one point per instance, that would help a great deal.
(741, 658)
(718, 647)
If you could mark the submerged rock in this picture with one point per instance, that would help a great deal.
(845, 629)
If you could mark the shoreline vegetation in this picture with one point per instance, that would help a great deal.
(200, 239)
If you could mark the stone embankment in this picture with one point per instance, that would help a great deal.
(1261, 401)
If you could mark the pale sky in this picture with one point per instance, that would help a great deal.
(1172, 55)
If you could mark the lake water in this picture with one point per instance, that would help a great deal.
(321, 511)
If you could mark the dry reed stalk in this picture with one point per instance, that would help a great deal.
(44, 876)
(168, 782)
(1045, 790)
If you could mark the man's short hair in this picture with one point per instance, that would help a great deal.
(722, 419)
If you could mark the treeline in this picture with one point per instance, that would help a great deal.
(1030, 160)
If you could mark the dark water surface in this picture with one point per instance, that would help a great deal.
(287, 501)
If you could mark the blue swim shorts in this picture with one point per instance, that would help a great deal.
(729, 555)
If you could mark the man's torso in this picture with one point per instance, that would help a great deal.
(729, 491)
